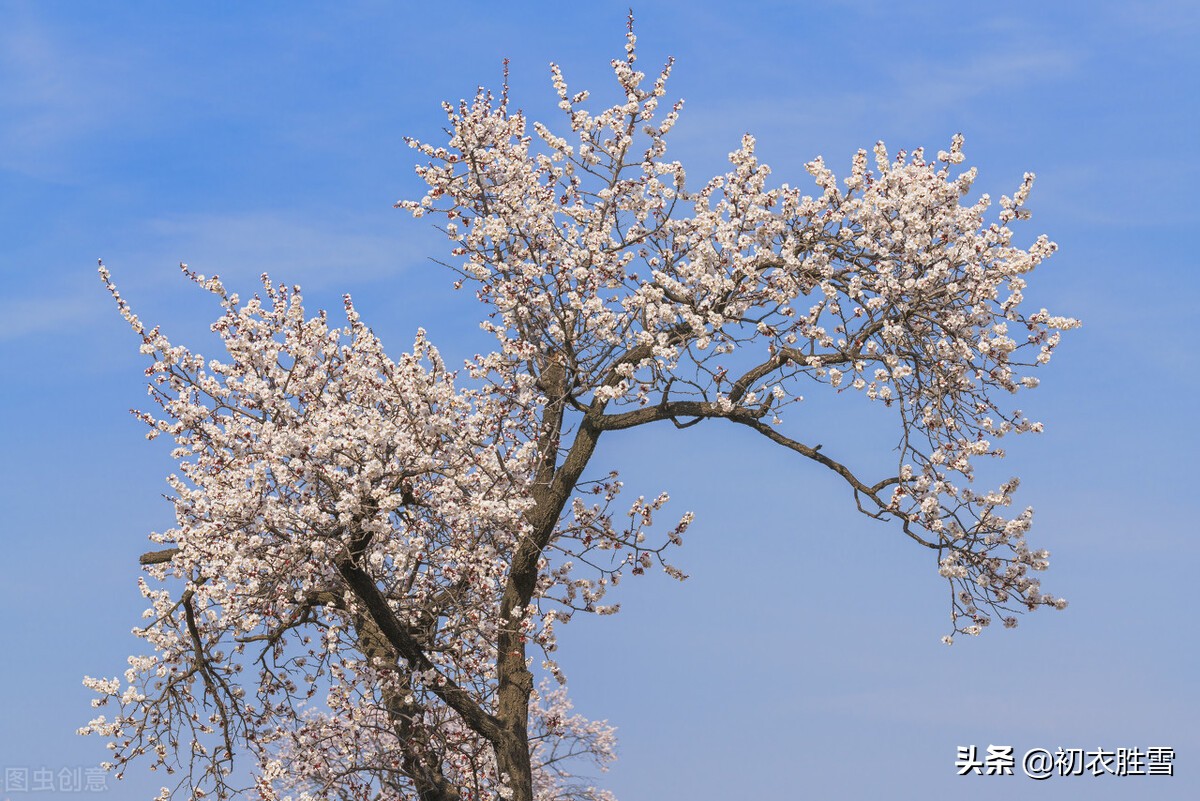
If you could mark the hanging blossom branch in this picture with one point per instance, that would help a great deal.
(366, 550)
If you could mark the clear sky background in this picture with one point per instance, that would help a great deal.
(802, 659)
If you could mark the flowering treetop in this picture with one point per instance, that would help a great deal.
(646, 301)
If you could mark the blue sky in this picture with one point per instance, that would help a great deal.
(802, 657)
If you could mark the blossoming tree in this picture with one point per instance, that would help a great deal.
(370, 555)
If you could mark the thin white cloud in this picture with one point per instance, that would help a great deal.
(1174, 21)
(53, 97)
(910, 92)
(298, 248)
(929, 86)
(293, 248)
(1113, 195)
(30, 316)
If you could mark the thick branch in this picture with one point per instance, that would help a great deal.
(663, 411)
(158, 557)
(410, 650)
(421, 763)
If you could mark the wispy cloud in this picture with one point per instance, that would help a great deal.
(1114, 195)
(292, 247)
(52, 98)
(928, 85)
(30, 316)
(316, 251)
(886, 91)
(1173, 21)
